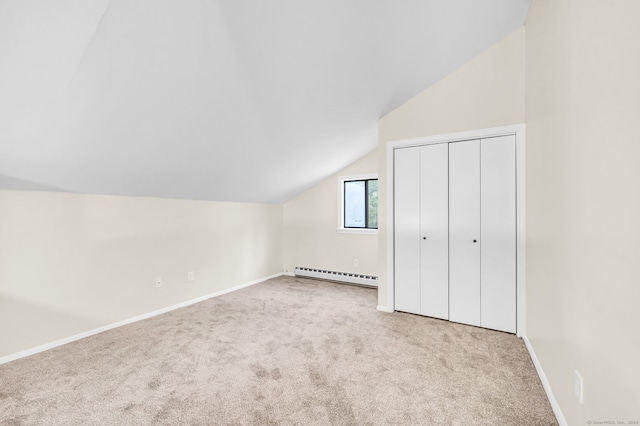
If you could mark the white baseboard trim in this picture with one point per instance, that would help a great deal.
(64, 341)
(289, 274)
(545, 384)
(384, 309)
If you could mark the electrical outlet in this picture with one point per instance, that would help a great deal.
(578, 387)
(191, 276)
(158, 282)
(356, 263)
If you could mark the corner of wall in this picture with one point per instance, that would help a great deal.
(310, 228)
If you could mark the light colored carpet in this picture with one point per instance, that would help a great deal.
(286, 351)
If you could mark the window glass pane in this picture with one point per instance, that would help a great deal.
(354, 210)
(373, 203)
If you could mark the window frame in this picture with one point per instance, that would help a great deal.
(340, 202)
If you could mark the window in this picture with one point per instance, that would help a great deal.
(358, 204)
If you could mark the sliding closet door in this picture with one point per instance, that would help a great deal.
(464, 232)
(434, 224)
(498, 212)
(407, 229)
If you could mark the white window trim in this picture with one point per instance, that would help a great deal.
(340, 213)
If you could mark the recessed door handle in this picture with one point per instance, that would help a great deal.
(475, 241)
(424, 238)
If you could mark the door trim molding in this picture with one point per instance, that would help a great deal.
(519, 131)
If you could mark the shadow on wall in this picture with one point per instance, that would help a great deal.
(41, 321)
(17, 184)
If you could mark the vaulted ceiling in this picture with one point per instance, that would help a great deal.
(242, 100)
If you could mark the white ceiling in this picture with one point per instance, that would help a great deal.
(237, 100)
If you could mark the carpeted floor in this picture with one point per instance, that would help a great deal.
(286, 351)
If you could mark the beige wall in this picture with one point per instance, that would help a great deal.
(310, 222)
(71, 263)
(583, 202)
(486, 92)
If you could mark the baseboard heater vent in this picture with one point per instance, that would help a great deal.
(341, 277)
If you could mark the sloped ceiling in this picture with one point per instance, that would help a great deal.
(243, 100)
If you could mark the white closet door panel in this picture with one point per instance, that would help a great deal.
(434, 223)
(498, 212)
(407, 229)
(464, 232)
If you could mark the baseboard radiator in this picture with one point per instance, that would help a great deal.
(341, 277)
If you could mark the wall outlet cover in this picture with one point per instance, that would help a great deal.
(578, 387)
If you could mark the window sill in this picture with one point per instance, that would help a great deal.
(357, 231)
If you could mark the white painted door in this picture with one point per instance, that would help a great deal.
(407, 229)
(498, 236)
(455, 231)
(464, 232)
(434, 224)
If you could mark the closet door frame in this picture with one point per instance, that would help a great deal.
(519, 132)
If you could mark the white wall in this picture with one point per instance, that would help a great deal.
(583, 202)
(310, 222)
(486, 92)
(70, 263)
